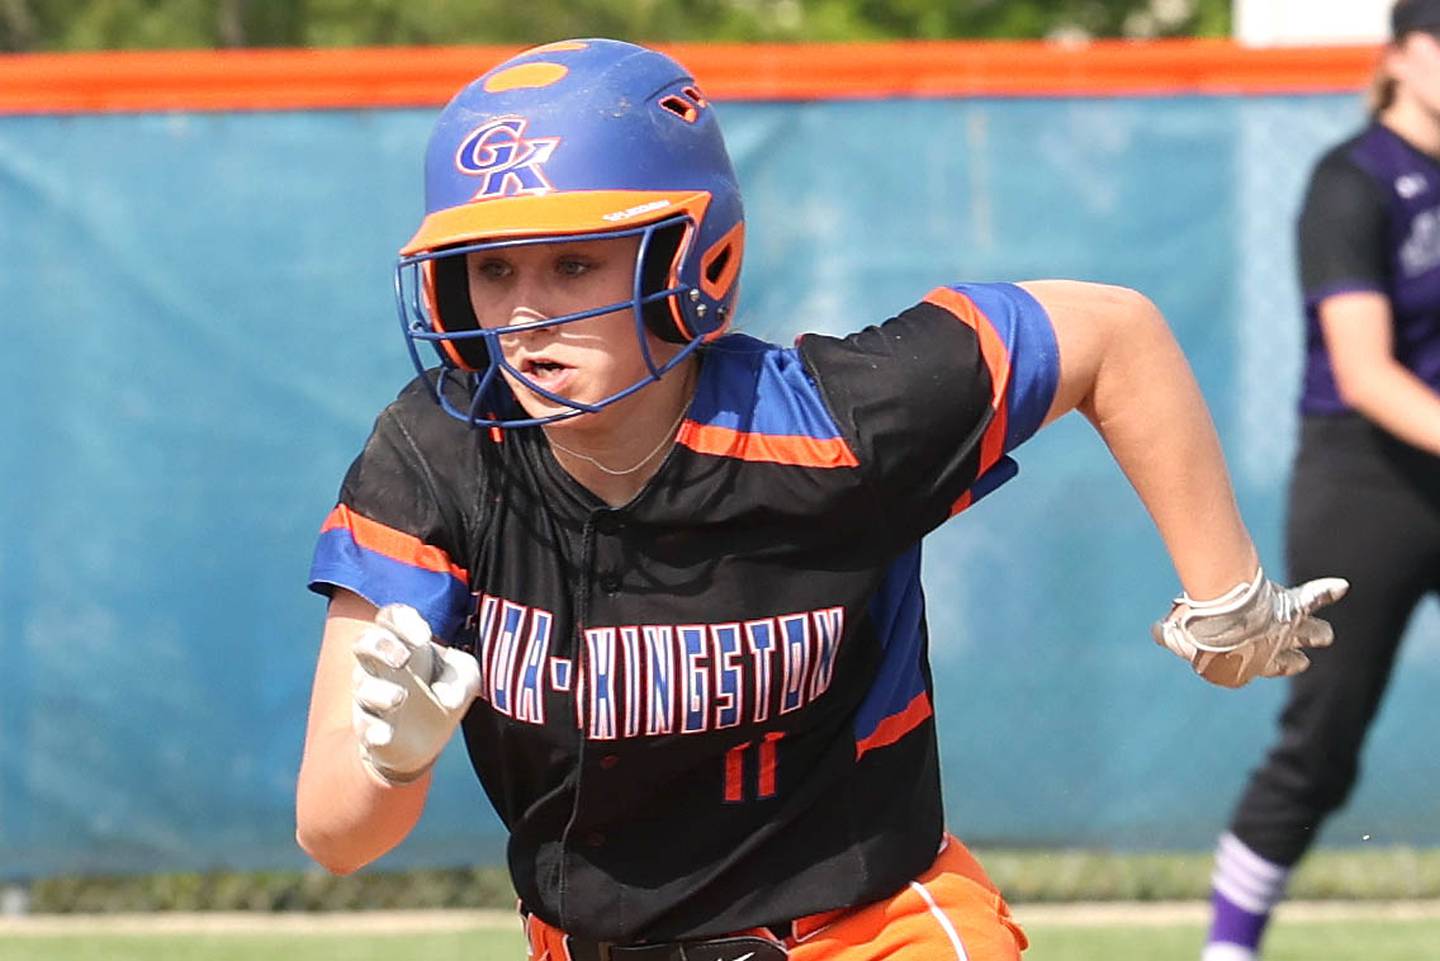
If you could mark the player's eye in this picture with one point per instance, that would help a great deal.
(491, 268)
(572, 266)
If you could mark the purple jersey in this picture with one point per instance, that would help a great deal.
(1371, 222)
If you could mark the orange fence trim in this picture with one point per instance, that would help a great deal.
(353, 78)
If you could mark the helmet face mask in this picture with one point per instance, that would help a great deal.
(580, 140)
(434, 297)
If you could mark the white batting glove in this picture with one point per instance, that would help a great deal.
(1257, 629)
(409, 694)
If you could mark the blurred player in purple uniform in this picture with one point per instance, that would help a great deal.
(666, 578)
(1365, 494)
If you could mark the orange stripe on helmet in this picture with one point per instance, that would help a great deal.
(524, 76)
(540, 215)
(557, 47)
(733, 244)
(672, 281)
(432, 305)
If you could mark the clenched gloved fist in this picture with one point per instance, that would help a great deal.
(1259, 629)
(409, 694)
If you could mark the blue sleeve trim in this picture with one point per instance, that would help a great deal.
(898, 614)
(441, 599)
(1034, 355)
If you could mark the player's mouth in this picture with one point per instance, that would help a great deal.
(547, 374)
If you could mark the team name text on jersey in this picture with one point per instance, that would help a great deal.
(656, 679)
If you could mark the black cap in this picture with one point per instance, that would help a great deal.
(1409, 16)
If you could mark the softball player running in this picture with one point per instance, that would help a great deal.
(666, 579)
(1365, 492)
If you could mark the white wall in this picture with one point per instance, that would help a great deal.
(1264, 23)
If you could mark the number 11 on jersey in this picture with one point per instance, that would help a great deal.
(765, 769)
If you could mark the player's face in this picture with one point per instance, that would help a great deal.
(1415, 64)
(584, 360)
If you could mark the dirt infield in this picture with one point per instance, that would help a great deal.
(1091, 914)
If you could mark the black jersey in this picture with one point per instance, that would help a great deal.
(709, 708)
(1371, 222)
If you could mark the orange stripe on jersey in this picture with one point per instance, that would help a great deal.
(396, 545)
(896, 726)
(791, 450)
(997, 359)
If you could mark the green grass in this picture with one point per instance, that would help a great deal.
(1345, 874)
(1366, 873)
(1288, 941)
(463, 946)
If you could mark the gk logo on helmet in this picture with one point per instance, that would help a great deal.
(507, 162)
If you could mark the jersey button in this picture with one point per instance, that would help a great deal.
(595, 839)
(609, 583)
(609, 761)
(608, 523)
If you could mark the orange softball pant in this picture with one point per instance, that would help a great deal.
(951, 912)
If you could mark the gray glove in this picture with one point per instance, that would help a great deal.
(1259, 629)
(409, 694)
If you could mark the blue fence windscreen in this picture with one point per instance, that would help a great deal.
(198, 329)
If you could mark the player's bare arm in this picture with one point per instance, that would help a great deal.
(1358, 329)
(1121, 367)
(345, 817)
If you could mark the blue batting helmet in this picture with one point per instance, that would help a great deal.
(581, 138)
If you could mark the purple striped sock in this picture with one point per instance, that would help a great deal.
(1234, 924)
(1246, 887)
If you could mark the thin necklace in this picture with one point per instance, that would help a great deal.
(665, 439)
